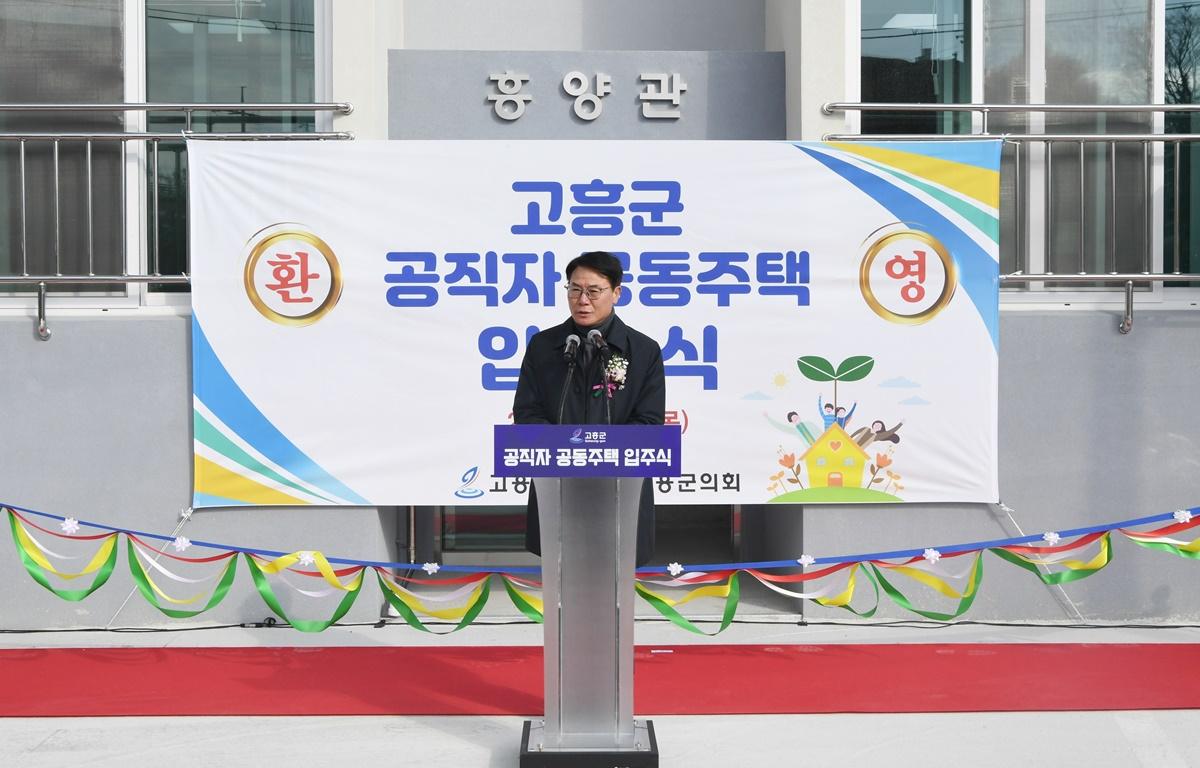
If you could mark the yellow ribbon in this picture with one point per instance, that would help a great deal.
(284, 562)
(709, 590)
(1075, 565)
(844, 597)
(167, 597)
(937, 583)
(36, 555)
(449, 614)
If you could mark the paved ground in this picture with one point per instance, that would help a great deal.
(1161, 739)
(1154, 739)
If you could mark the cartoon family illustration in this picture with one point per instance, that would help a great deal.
(836, 460)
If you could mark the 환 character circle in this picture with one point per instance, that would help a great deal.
(292, 277)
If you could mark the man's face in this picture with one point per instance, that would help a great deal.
(596, 297)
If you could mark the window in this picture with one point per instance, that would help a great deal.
(1072, 208)
(221, 51)
(1182, 210)
(916, 53)
(483, 529)
(53, 51)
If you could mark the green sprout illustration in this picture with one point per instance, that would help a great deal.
(851, 369)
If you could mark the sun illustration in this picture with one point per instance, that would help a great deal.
(780, 380)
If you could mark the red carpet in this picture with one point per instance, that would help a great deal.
(688, 679)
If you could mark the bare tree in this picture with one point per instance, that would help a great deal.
(1182, 54)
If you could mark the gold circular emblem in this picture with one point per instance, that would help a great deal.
(298, 271)
(889, 240)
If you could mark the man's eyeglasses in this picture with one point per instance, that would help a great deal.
(594, 292)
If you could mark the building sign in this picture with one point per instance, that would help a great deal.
(586, 94)
(660, 95)
(828, 314)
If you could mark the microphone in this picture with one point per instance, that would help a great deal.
(572, 348)
(597, 340)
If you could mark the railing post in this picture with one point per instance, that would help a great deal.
(1127, 321)
(43, 331)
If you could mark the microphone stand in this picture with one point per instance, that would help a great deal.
(562, 400)
(605, 355)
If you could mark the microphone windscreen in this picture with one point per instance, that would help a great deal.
(571, 347)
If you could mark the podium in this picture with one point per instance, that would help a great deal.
(589, 480)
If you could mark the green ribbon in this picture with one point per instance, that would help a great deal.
(1163, 546)
(523, 605)
(413, 621)
(40, 576)
(304, 625)
(143, 584)
(1059, 577)
(679, 620)
(963, 604)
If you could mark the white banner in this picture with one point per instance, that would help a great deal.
(360, 310)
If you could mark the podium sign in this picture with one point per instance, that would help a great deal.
(586, 450)
(589, 482)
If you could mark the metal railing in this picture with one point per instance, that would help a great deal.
(1049, 149)
(55, 142)
(1111, 274)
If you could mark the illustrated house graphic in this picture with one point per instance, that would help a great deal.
(835, 460)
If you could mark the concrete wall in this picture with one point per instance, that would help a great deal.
(1094, 427)
(819, 39)
(96, 424)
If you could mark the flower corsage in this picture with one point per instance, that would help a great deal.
(614, 377)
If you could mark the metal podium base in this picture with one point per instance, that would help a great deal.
(643, 755)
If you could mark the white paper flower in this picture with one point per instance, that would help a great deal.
(806, 560)
(674, 569)
(431, 568)
(181, 543)
(932, 555)
(616, 369)
(1183, 516)
(1051, 538)
(70, 526)
(306, 557)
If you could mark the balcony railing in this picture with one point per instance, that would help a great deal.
(1115, 186)
(45, 172)
(1096, 198)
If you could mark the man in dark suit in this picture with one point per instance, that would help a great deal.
(620, 384)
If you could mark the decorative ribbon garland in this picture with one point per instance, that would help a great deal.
(462, 598)
(154, 594)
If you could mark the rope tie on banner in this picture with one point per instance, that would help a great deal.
(953, 572)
